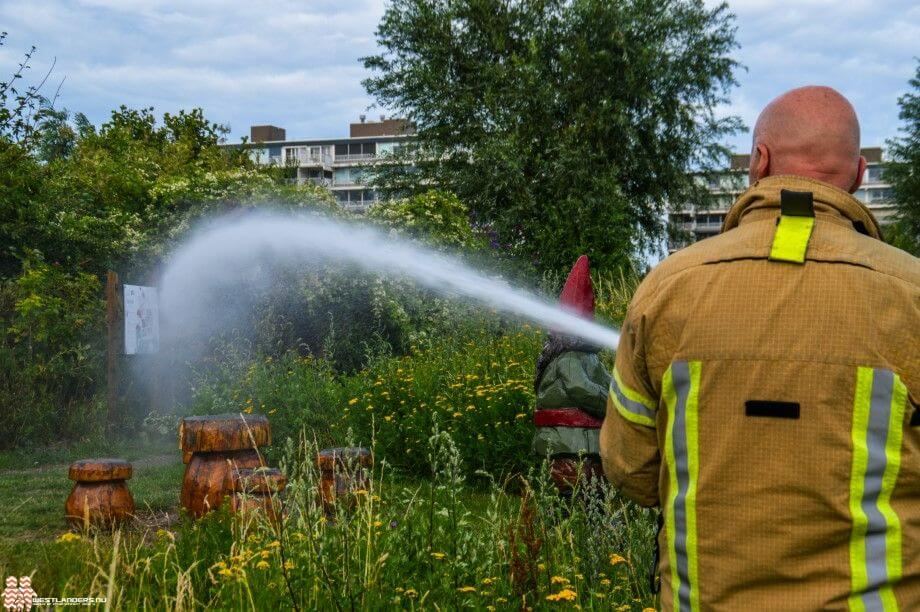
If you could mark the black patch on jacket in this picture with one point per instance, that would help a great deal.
(796, 203)
(776, 410)
(915, 417)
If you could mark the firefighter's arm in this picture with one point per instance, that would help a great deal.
(629, 439)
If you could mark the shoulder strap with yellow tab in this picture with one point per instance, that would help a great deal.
(793, 229)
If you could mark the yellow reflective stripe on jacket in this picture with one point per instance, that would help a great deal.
(632, 405)
(680, 391)
(879, 408)
(791, 239)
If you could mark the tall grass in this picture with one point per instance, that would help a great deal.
(399, 543)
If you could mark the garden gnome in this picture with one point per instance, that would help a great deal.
(571, 387)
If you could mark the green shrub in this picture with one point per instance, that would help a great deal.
(478, 387)
(51, 351)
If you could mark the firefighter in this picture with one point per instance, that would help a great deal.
(764, 391)
(571, 390)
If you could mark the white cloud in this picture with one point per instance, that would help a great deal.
(295, 62)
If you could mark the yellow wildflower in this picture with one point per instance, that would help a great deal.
(616, 559)
(162, 533)
(275, 544)
(605, 581)
(262, 565)
(488, 581)
(467, 589)
(378, 524)
(353, 401)
(288, 565)
(438, 555)
(541, 566)
(410, 593)
(558, 580)
(520, 415)
(563, 595)
(68, 537)
(457, 414)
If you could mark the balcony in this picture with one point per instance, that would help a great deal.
(309, 160)
(355, 158)
(322, 182)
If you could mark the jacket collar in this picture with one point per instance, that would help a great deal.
(761, 201)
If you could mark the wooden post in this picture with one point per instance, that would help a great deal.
(112, 321)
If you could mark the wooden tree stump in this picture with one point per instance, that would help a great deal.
(343, 473)
(218, 443)
(100, 495)
(256, 489)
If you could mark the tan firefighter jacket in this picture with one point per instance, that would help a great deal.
(764, 396)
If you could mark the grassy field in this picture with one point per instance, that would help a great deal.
(411, 544)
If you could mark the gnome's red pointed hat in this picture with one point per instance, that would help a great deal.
(578, 294)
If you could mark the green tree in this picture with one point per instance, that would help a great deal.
(566, 125)
(903, 171)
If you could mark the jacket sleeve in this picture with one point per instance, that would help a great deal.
(629, 437)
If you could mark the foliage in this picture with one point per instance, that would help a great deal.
(478, 388)
(21, 106)
(475, 381)
(75, 201)
(403, 545)
(565, 126)
(438, 217)
(903, 171)
(50, 353)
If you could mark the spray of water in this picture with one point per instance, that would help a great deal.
(219, 255)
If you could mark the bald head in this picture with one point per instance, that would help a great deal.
(810, 131)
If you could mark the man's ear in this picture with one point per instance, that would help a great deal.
(860, 173)
(760, 163)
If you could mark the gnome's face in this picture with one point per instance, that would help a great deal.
(25, 582)
(11, 582)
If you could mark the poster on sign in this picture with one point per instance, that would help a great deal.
(142, 320)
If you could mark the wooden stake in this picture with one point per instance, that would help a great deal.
(113, 336)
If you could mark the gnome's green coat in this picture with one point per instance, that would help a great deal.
(574, 379)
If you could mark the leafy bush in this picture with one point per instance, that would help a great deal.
(474, 381)
(476, 387)
(50, 353)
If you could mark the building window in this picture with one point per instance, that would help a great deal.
(874, 174)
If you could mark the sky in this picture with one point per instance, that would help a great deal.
(295, 64)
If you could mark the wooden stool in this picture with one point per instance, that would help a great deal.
(256, 489)
(218, 443)
(100, 495)
(343, 471)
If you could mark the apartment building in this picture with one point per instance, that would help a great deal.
(724, 189)
(344, 165)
